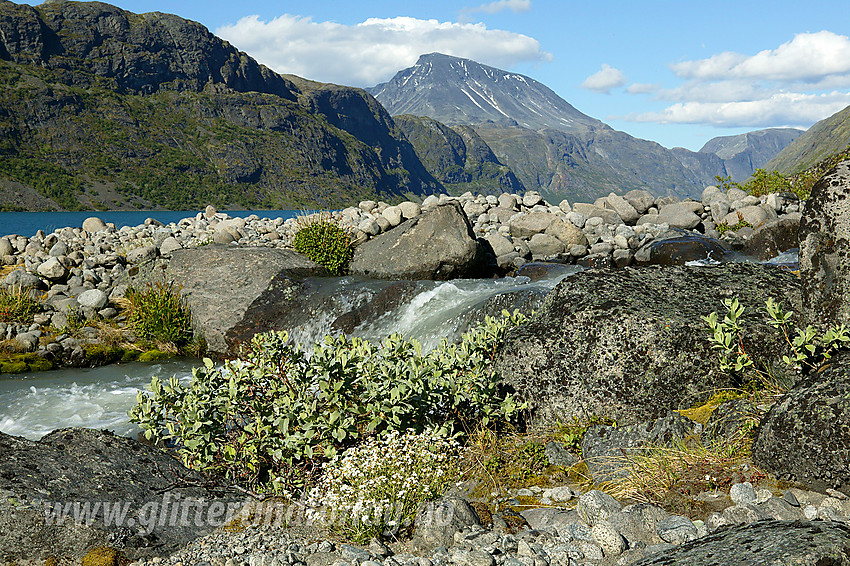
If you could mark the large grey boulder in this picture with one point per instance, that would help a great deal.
(679, 215)
(774, 237)
(527, 225)
(765, 543)
(233, 293)
(825, 249)
(677, 247)
(630, 344)
(73, 468)
(437, 245)
(806, 435)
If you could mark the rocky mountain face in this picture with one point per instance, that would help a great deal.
(551, 146)
(103, 108)
(744, 153)
(826, 138)
(457, 157)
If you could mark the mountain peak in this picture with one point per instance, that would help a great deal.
(455, 90)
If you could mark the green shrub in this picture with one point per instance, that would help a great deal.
(263, 419)
(159, 315)
(17, 305)
(808, 349)
(325, 243)
(378, 486)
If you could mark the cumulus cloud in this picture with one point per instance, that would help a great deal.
(605, 79)
(374, 50)
(516, 6)
(779, 109)
(643, 88)
(798, 83)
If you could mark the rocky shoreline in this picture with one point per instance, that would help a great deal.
(83, 273)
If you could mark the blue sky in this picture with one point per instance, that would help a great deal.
(678, 73)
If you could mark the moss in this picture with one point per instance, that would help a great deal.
(99, 354)
(130, 355)
(701, 413)
(104, 556)
(154, 356)
(51, 561)
(20, 363)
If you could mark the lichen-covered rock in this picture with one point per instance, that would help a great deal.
(806, 435)
(825, 249)
(766, 543)
(438, 245)
(630, 344)
(438, 521)
(73, 468)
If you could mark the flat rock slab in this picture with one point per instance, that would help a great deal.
(438, 245)
(629, 344)
(766, 543)
(78, 467)
(235, 292)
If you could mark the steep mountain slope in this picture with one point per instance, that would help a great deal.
(827, 137)
(744, 153)
(100, 107)
(461, 91)
(549, 144)
(457, 157)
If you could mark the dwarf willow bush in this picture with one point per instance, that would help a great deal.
(325, 243)
(159, 314)
(378, 486)
(266, 419)
(808, 349)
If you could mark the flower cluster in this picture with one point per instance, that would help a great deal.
(377, 487)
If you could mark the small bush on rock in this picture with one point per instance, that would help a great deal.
(377, 487)
(17, 305)
(264, 420)
(159, 315)
(325, 243)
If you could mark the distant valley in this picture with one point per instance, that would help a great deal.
(554, 148)
(101, 108)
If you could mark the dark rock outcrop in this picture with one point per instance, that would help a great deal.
(84, 469)
(806, 435)
(678, 247)
(774, 237)
(630, 344)
(825, 249)
(765, 543)
(437, 245)
(233, 293)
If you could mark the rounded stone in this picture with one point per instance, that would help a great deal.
(93, 224)
(93, 298)
(143, 254)
(52, 269)
(169, 245)
(606, 536)
(210, 211)
(410, 209)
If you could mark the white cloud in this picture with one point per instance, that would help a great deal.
(807, 57)
(604, 79)
(373, 50)
(778, 109)
(798, 83)
(516, 6)
(643, 88)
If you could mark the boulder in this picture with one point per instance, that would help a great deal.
(142, 254)
(806, 435)
(500, 244)
(52, 269)
(630, 344)
(679, 215)
(640, 199)
(93, 224)
(607, 215)
(6, 247)
(765, 543)
(774, 237)
(527, 225)
(677, 247)
(544, 245)
(437, 245)
(567, 232)
(71, 468)
(234, 292)
(93, 298)
(438, 521)
(20, 279)
(622, 207)
(410, 209)
(755, 216)
(825, 249)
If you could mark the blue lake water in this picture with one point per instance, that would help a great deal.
(28, 223)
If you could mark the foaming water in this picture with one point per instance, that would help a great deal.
(34, 404)
(31, 405)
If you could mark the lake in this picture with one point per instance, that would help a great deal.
(28, 223)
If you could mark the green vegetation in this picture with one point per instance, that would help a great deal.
(265, 420)
(11, 362)
(808, 349)
(17, 305)
(378, 486)
(741, 223)
(325, 243)
(159, 316)
(764, 183)
(571, 433)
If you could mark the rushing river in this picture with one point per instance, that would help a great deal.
(32, 405)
